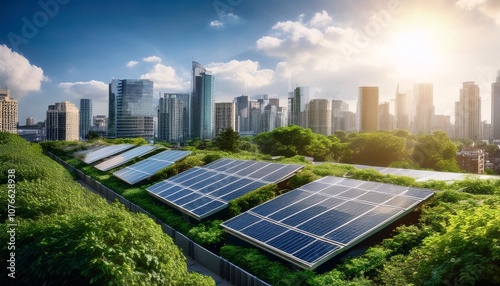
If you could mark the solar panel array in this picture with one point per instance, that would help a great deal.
(148, 167)
(203, 191)
(312, 224)
(105, 152)
(125, 157)
(426, 175)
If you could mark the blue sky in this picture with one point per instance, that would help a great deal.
(56, 50)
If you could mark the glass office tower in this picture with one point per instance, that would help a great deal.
(131, 109)
(202, 103)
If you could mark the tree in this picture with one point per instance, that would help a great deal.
(295, 140)
(227, 140)
(435, 152)
(92, 135)
(375, 149)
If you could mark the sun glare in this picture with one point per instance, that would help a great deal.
(416, 51)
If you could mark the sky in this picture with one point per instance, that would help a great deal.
(65, 50)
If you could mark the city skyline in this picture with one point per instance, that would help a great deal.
(53, 52)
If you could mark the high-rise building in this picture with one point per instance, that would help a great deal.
(173, 117)
(202, 103)
(225, 116)
(368, 109)
(338, 106)
(8, 112)
(385, 118)
(297, 101)
(424, 108)
(443, 123)
(468, 123)
(349, 121)
(85, 116)
(243, 112)
(402, 115)
(30, 121)
(281, 117)
(131, 109)
(320, 116)
(495, 108)
(100, 125)
(269, 118)
(62, 122)
(256, 112)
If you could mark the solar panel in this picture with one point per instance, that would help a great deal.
(426, 175)
(312, 224)
(203, 191)
(150, 166)
(125, 157)
(105, 152)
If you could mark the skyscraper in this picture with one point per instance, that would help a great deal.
(368, 109)
(85, 116)
(495, 108)
(30, 121)
(320, 116)
(243, 112)
(424, 108)
(385, 120)
(338, 106)
(468, 123)
(202, 103)
(173, 117)
(402, 115)
(62, 122)
(131, 109)
(225, 116)
(8, 112)
(297, 101)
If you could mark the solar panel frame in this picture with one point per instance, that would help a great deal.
(125, 157)
(338, 221)
(150, 166)
(104, 152)
(217, 182)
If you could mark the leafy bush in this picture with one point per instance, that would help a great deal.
(67, 235)
(207, 233)
(258, 264)
(252, 199)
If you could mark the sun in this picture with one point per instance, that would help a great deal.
(416, 51)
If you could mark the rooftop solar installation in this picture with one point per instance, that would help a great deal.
(146, 168)
(426, 175)
(203, 191)
(125, 157)
(312, 224)
(105, 152)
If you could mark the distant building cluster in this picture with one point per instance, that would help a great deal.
(179, 117)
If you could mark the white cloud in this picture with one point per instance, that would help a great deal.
(216, 23)
(315, 45)
(18, 74)
(490, 8)
(165, 78)
(95, 90)
(226, 18)
(321, 19)
(131, 64)
(243, 73)
(152, 59)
